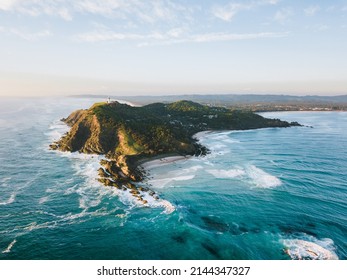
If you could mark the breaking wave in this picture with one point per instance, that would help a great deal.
(92, 192)
(255, 176)
(9, 247)
(10, 200)
(161, 180)
(306, 247)
(262, 179)
(56, 130)
(225, 174)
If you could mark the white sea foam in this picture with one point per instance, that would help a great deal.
(202, 134)
(163, 161)
(56, 130)
(217, 146)
(5, 180)
(225, 174)
(220, 137)
(92, 192)
(165, 179)
(61, 220)
(169, 208)
(161, 203)
(254, 175)
(260, 178)
(90, 195)
(231, 141)
(161, 183)
(9, 247)
(43, 200)
(309, 247)
(128, 198)
(217, 149)
(68, 191)
(10, 200)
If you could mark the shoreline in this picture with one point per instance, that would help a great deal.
(166, 159)
(162, 160)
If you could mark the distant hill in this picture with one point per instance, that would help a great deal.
(253, 102)
(127, 135)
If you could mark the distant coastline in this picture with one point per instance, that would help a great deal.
(251, 102)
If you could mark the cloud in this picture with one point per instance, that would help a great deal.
(283, 15)
(228, 11)
(115, 36)
(31, 36)
(270, 2)
(218, 37)
(174, 36)
(311, 10)
(35, 8)
(322, 27)
(28, 36)
(149, 11)
(6, 5)
(273, 2)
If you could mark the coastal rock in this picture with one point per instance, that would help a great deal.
(103, 173)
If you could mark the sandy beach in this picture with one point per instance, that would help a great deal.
(163, 161)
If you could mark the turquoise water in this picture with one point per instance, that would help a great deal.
(260, 194)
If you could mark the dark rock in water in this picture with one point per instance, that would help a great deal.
(293, 229)
(130, 186)
(295, 124)
(134, 192)
(54, 146)
(235, 229)
(118, 186)
(311, 225)
(102, 173)
(200, 150)
(243, 229)
(193, 211)
(151, 193)
(178, 239)
(213, 251)
(214, 223)
(106, 181)
(255, 230)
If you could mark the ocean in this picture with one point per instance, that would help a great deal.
(278, 193)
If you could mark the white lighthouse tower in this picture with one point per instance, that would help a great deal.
(108, 100)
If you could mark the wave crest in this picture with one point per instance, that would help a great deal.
(9, 247)
(262, 179)
(310, 248)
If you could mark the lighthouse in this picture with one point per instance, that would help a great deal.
(108, 100)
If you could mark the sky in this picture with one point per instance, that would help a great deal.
(160, 47)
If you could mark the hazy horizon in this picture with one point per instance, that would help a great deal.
(163, 47)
